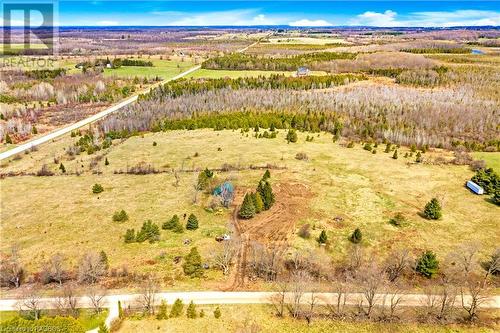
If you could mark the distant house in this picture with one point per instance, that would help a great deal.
(108, 65)
(302, 71)
(474, 187)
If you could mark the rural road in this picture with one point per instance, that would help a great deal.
(97, 116)
(220, 297)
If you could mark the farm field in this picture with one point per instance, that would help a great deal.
(307, 40)
(337, 189)
(164, 69)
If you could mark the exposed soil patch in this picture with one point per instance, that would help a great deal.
(272, 228)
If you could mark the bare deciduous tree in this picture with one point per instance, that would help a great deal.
(278, 299)
(299, 282)
(149, 289)
(11, 269)
(96, 296)
(223, 258)
(30, 301)
(91, 268)
(371, 280)
(397, 262)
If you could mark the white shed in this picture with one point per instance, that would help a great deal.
(474, 187)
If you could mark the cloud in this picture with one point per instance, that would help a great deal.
(229, 17)
(390, 18)
(310, 23)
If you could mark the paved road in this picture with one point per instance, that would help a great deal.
(221, 297)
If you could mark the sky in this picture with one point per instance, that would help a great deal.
(403, 13)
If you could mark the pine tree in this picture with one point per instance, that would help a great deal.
(387, 148)
(34, 130)
(266, 193)
(356, 236)
(291, 136)
(427, 264)
(120, 310)
(162, 311)
(192, 264)
(247, 209)
(103, 258)
(103, 328)
(395, 155)
(177, 308)
(432, 210)
(171, 223)
(323, 238)
(202, 313)
(192, 222)
(418, 158)
(106, 162)
(257, 202)
(266, 175)
(496, 197)
(62, 168)
(217, 313)
(97, 188)
(191, 311)
(8, 139)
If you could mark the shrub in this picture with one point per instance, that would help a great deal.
(323, 238)
(427, 264)
(356, 236)
(387, 148)
(202, 313)
(398, 220)
(149, 231)
(162, 311)
(301, 157)
(192, 222)
(62, 168)
(304, 231)
(177, 308)
(432, 210)
(97, 188)
(44, 171)
(217, 313)
(368, 147)
(192, 264)
(419, 157)
(154, 144)
(8, 139)
(191, 311)
(247, 209)
(130, 236)
(120, 216)
(291, 136)
(395, 155)
(350, 144)
(496, 197)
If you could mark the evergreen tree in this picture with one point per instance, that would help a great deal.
(130, 236)
(496, 197)
(120, 310)
(257, 202)
(34, 130)
(432, 210)
(217, 313)
(395, 155)
(162, 311)
(247, 209)
(171, 224)
(266, 193)
(323, 238)
(191, 311)
(120, 216)
(202, 313)
(106, 162)
(149, 231)
(356, 236)
(192, 222)
(177, 309)
(103, 328)
(387, 148)
(8, 139)
(427, 264)
(291, 136)
(419, 158)
(266, 175)
(192, 264)
(62, 168)
(103, 258)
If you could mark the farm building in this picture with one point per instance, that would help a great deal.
(302, 71)
(474, 187)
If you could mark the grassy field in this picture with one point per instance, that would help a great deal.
(258, 318)
(162, 68)
(492, 159)
(213, 74)
(86, 317)
(43, 214)
(306, 40)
